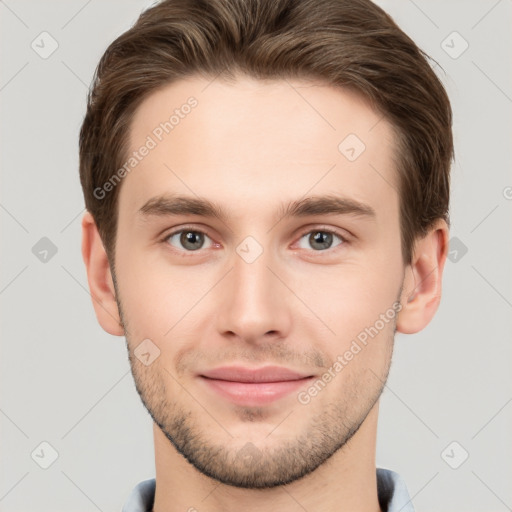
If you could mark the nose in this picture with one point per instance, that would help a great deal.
(254, 304)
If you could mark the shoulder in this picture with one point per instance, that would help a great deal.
(142, 497)
(392, 492)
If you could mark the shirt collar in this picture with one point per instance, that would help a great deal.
(391, 490)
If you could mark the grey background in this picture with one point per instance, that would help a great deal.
(65, 381)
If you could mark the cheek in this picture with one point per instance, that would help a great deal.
(349, 299)
(159, 299)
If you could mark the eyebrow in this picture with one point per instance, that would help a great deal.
(169, 205)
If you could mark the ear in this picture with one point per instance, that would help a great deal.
(421, 293)
(99, 277)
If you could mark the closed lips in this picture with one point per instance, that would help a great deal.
(254, 375)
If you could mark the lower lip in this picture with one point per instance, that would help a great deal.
(259, 393)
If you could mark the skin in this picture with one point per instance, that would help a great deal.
(250, 146)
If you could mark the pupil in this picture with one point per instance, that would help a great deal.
(320, 237)
(190, 238)
(324, 239)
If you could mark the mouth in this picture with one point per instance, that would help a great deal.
(254, 386)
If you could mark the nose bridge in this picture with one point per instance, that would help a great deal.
(253, 304)
(252, 278)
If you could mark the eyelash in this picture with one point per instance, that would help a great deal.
(343, 238)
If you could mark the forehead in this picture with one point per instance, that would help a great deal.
(260, 140)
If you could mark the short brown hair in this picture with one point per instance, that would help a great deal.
(346, 43)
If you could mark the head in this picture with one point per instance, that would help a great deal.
(266, 183)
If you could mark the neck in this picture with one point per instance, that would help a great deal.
(345, 482)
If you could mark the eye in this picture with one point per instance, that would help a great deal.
(192, 239)
(189, 239)
(321, 239)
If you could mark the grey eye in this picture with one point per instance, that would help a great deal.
(320, 239)
(189, 239)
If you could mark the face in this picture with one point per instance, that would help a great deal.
(269, 318)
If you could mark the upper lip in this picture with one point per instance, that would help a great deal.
(245, 374)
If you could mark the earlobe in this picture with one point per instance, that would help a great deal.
(99, 277)
(422, 286)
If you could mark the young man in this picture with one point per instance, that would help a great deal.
(267, 186)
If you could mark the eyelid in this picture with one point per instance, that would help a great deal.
(185, 228)
(173, 232)
(342, 234)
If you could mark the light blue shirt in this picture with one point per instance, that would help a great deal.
(391, 490)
